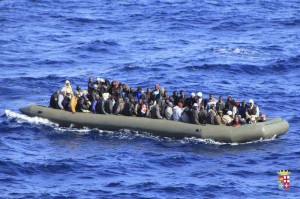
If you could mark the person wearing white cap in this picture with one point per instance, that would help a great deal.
(195, 114)
(191, 100)
(200, 101)
(227, 119)
(67, 88)
(252, 112)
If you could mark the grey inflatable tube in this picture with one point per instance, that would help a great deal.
(166, 128)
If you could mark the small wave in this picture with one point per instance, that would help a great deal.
(24, 118)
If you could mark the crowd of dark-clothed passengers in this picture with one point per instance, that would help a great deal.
(105, 97)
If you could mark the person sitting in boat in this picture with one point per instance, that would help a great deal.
(211, 115)
(235, 108)
(128, 107)
(220, 106)
(262, 117)
(203, 116)
(251, 112)
(177, 111)
(118, 106)
(242, 109)
(66, 100)
(237, 121)
(155, 110)
(95, 103)
(83, 104)
(175, 97)
(100, 88)
(218, 118)
(74, 101)
(109, 104)
(67, 87)
(228, 104)
(169, 111)
(227, 118)
(131, 94)
(191, 100)
(54, 100)
(194, 114)
(140, 109)
(186, 115)
(95, 91)
(61, 97)
(147, 95)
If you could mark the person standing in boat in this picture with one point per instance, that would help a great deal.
(90, 84)
(242, 109)
(155, 92)
(194, 114)
(128, 107)
(220, 106)
(191, 100)
(211, 103)
(200, 100)
(67, 87)
(147, 95)
(182, 98)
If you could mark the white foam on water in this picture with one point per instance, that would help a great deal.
(21, 118)
(121, 134)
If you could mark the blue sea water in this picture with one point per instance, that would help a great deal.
(247, 49)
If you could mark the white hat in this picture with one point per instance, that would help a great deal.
(251, 101)
(98, 79)
(67, 82)
(193, 94)
(105, 96)
(229, 112)
(102, 80)
(195, 105)
(199, 94)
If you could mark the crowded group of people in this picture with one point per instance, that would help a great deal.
(105, 97)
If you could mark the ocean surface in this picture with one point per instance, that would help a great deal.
(247, 49)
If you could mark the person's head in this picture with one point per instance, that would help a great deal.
(229, 98)
(126, 99)
(193, 95)
(220, 99)
(67, 83)
(180, 104)
(195, 106)
(251, 102)
(229, 113)
(162, 90)
(148, 90)
(132, 89)
(78, 88)
(220, 112)
(211, 96)
(175, 93)
(95, 86)
(199, 95)
(202, 108)
(140, 101)
(156, 87)
(57, 92)
(237, 103)
(97, 96)
(91, 80)
(170, 104)
(139, 89)
(244, 102)
(262, 117)
(181, 93)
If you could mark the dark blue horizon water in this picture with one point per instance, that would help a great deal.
(247, 49)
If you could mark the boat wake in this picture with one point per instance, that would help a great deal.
(121, 134)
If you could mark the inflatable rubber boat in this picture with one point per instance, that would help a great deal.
(263, 130)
